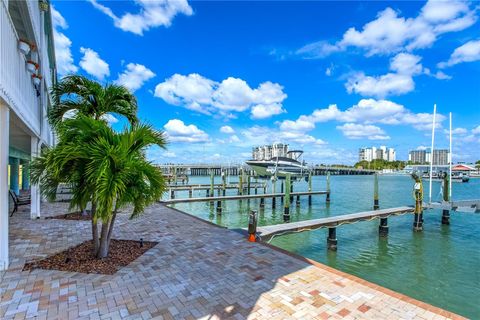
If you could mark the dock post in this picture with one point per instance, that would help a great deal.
(291, 191)
(383, 227)
(310, 187)
(248, 183)
(332, 239)
(286, 211)
(172, 194)
(262, 202)
(190, 192)
(274, 190)
(281, 187)
(327, 200)
(240, 182)
(212, 183)
(207, 193)
(219, 207)
(418, 190)
(375, 192)
(446, 198)
(298, 200)
(175, 175)
(252, 226)
(224, 182)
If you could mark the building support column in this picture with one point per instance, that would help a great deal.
(4, 149)
(25, 175)
(14, 175)
(35, 189)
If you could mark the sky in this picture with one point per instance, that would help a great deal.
(326, 77)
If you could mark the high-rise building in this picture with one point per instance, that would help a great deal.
(372, 153)
(440, 156)
(27, 72)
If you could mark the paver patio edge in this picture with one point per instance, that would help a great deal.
(392, 293)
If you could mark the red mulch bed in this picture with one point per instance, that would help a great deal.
(81, 259)
(78, 216)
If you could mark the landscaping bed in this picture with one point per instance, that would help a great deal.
(81, 259)
(78, 216)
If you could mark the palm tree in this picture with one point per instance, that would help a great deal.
(82, 95)
(104, 167)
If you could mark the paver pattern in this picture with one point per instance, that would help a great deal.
(196, 271)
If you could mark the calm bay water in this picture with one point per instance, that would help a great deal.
(440, 265)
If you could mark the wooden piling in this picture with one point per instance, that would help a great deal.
(219, 207)
(310, 187)
(375, 192)
(383, 227)
(332, 239)
(274, 190)
(327, 199)
(190, 192)
(262, 202)
(224, 182)
(418, 219)
(446, 198)
(240, 182)
(248, 183)
(286, 207)
(172, 194)
(212, 181)
(298, 201)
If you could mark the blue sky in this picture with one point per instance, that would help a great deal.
(328, 77)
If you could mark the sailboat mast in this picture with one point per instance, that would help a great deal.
(450, 162)
(431, 156)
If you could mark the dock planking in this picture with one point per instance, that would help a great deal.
(267, 232)
(468, 206)
(241, 197)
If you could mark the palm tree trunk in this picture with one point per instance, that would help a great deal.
(96, 241)
(110, 228)
(103, 250)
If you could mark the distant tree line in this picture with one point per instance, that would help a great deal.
(380, 164)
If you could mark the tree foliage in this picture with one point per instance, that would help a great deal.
(380, 164)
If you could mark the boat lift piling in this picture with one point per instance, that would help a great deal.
(327, 199)
(286, 206)
(310, 187)
(375, 192)
(446, 198)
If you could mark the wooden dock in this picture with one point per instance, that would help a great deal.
(468, 206)
(242, 197)
(267, 232)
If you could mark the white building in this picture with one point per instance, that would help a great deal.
(27, 71)
(373, 153)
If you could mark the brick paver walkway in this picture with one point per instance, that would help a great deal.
(196, 271)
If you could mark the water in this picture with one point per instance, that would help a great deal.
(439, 265)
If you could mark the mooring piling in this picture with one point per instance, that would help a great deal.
(332, 239)
(172, 194)
(240, 182)
(298, 201)
(327, 198)
(274, 190)
(248, 183)
(418, 191)
(219, 207)
(375, 192)
(291, 191)
(286, 210)
(224, 182)
(310, 187)
(446, 198)
(262, 202)
(252, 226)
(212, 177)
(190, 192)
(383, 227)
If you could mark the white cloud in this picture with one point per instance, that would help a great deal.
(404, 67)
(177, 131)
(227, 129)
(203, 95)
(135, 76)
(476, 130)
(258, 135)
(360, 131)
(109, 118)
(169, 154)
(63, 53)
(390, 33)
(367, 111)
(153, 13)
(467, 52)
(93, 64)
(456, 131)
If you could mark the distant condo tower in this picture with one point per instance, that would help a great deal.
(373, 153)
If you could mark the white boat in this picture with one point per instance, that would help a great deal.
(277, 160)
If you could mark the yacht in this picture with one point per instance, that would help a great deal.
(277, 161)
